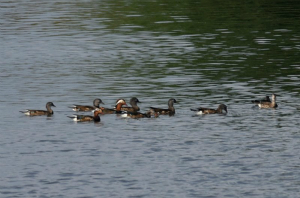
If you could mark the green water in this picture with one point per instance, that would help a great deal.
(246, 40)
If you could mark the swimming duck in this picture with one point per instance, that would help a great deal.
(169, 111)
(87, 118)
(40, 112)
(219, 110)
(266, 99)
(272, 104)
(149, 114)
(96, 104)
(119, 103)
(134, 108)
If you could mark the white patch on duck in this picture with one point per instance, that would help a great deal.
(74, 118)
(27, 112)
(200, 112)
(124, 115)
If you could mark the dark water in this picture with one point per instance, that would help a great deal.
(202, 53)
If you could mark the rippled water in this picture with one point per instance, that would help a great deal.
(71, 52)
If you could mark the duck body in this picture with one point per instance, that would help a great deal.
(169, 111)
(129, 109)
(135, 115)
(108, 111)
(96, 104)
(83, 108)
(266, 105)
(87, 118)
(219, 110)
(271, 104)
(48, 112)
(149, 114)
(266, 99)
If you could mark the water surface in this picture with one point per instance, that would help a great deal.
(201, 53)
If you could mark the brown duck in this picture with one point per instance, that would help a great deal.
(96, 104)
(87, 118)
(149, 114)
(48, 112)
(271, 104)
(119, 103)
(169, 111)
(219, 110)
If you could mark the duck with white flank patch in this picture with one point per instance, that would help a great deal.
(219, 110)
(119, 103)
(169, 111)
(87, 118)
(96, 104)
(151, 113)
(271, 104)
(40, 112)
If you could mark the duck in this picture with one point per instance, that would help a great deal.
(48, 112)
(271, 104)
(169, 111)
(266, 99)
(219, 110)
(149, 114)
(87, 118)
(134, 108)
(96, 104)
(119, 103)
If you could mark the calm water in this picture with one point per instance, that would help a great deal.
(199, 52)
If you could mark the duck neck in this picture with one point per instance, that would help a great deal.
(273, 100)
(135, 107)
(96, 105)
(171, 107)
(119, 106)
(49, 109)
(96, 116)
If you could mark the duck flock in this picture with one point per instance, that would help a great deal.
(133, 111)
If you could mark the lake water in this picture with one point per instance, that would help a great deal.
(202, 53)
